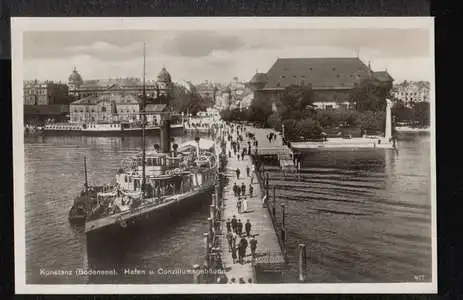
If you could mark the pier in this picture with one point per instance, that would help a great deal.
(269, 255)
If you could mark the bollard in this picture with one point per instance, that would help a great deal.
(206, 242)
(274, 202)
(211, 228)
(196, 273)
(212, 212)
(302, 262)
(282, 214)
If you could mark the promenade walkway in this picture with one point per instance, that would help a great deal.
(257, 214)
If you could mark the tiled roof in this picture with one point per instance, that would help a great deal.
(383, 76)
(320, 73)
(259, 78)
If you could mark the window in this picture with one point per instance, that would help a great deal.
(329, 106)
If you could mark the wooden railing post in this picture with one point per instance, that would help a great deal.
(302, 262)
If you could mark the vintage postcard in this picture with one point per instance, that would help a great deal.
(187, 155)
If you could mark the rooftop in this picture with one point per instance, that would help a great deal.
(320, 73)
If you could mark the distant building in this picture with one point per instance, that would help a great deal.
(207, 90)
(411, 92)
(112, 105)
(100, 109)
(45, 93)
(80, 88)
(331, 79)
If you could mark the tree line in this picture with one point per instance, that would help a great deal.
(294, 109)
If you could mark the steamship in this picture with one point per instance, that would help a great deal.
(153, 185)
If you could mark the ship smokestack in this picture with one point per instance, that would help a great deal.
(197, 146)
(165, 135)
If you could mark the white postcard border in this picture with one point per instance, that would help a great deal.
(20, 25)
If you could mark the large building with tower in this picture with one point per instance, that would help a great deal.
(80, 88)
(114, 105)
(331, 79)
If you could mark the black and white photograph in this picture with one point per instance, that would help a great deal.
(186, 155)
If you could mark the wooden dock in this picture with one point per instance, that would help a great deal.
(269, 264)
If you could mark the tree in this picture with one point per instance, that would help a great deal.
(369, 96)
(421, 113)
(294, 101)
(401, 112)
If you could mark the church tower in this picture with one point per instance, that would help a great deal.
(74, 83)
(164, 83)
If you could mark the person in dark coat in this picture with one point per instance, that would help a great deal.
(243, 153)
(229, 153)
(248, 170)
(234, 254)
(234, 223)
(238, 206)
(253, 244)
(228, 225)
(230, 241)
(239, 227)
(243, 189)
(247, 227)
(235, 189)
(242, 248)
(251, 189)
(238, 173)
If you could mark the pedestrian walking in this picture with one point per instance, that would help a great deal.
(253, 244)
(237, 173)
(243, 189)
(251, 189)
(239, 226)
(234, 223)
(244, 205)
(247, 227)
(248, 170)
(243, 153)
(228, 225)
(234, 255)
(230, 241)
(243, 245)
(235, 189)
(229, 154)
(238, 205)
(238, 156)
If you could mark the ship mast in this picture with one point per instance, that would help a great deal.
(143, 182)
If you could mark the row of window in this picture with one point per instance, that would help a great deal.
(409, 93)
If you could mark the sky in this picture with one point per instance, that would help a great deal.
(219, 55)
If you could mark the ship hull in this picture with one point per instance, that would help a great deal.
(112, 231)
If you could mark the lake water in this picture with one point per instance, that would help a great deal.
(364, 216)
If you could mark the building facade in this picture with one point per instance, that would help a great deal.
(331, 79)
(45, 93)
(411, 92)
(114, 106)
(80, 88)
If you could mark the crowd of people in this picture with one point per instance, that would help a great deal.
(240, 241)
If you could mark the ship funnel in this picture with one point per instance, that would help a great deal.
(197, 146)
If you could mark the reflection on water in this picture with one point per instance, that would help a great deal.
(364, 216)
